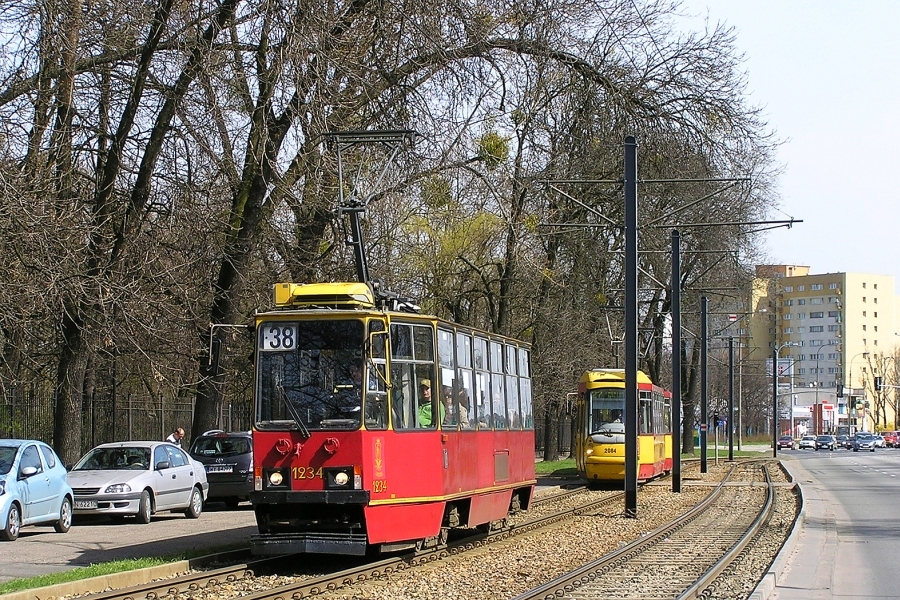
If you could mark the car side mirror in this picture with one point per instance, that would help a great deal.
(27, 472)
(163, 464)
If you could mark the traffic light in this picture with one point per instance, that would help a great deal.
(840, 390)
(877, 383)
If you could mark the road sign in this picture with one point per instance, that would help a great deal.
(702, 426)
(732, 318)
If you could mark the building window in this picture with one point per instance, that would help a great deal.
(788, 288)
(786, 316)
(864, 313)
(875, 314)
(815, 343)
(875, 300)
(788, 302)
(816, 315)
(801, 288)
(801, 372)
(835, 313)
(787, 330)
(801, 315)
(815, 286)
(864, 327)
(875, 286)
(817, 329)
(834, 356)
(874, 342)
(832, 286)
(834, 328)
(801, 301)
(864, 298)
(817, 300)
(801, 330)
(864, 285)
(875, 328)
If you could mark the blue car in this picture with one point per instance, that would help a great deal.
(33, 488)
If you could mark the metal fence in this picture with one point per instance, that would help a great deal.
(110, 419)
(563, 435)
(27, 415)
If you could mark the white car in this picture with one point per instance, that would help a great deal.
(879, 441)
(807, 441)
(139, 479)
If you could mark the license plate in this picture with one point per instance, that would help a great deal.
(219, 468)
(85, 504)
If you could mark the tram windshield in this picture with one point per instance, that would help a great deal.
(309, 374)
(607, 408)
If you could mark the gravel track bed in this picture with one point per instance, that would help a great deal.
(517, 565)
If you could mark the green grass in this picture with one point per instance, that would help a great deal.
(116, 566)
(557, 468)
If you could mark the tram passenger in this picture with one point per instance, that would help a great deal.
(463, 396)
(449, 409)
(426, 410)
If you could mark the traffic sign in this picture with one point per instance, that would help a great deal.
(702, 426)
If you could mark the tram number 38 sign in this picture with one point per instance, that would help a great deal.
(279, 337)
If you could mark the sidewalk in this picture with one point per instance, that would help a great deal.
(806, 565)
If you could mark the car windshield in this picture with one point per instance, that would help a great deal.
(7, 456)
(114, 459)
(221, 446)
(824, 438)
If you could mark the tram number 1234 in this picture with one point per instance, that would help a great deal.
(306, 473)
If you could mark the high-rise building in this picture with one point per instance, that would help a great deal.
(835, 334)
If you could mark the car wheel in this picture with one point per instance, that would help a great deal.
(10, 531)
(145, 508)
(196, 507)
(64, 522)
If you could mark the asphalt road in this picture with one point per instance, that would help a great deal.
(40, 550)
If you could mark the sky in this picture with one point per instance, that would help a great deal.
(826, 74)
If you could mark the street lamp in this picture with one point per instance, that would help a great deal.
(816, 414)
(775, 353)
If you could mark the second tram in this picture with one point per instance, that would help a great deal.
(600, 426)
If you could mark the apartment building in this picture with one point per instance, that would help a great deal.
(835, 333)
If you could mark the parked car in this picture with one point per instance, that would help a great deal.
(864, 441)
(228, 458)
(891, 439)
(843, 441)
(139, 479)
(825, 442)
(786, 441)
(879, 441)
(33, 488)
(807, 441)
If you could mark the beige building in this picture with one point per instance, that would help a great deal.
(835, 333)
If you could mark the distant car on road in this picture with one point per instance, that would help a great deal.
(139, 479)
(843, 441)
(879, 441)
(33, 488)
(807, 441)
(228, 458)
(891, 439)
(864, 441)
(825, 442)
(786, 442)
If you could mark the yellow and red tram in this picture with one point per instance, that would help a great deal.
(380, 429)
(600, 429)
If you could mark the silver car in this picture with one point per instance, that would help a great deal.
(140, 479)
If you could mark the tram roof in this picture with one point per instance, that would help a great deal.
(610, 376)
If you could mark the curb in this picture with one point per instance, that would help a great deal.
(766, 587)
(121, 580)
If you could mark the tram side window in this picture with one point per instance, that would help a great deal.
(513, 414)
(525, 402)
(480, 413)
(498, 401)
(413, 377)
(645, 413)
(376, 403)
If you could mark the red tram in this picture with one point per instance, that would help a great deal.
(380, 429)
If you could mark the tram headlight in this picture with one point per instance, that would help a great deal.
(339, 478)
(276, 478)
(589, 447)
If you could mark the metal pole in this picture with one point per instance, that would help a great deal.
(631, 326)
(676, 361)
(704, 347)
(731, 398)
(775, 402)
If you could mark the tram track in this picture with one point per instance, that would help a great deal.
(681, 560)
(551, 516)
